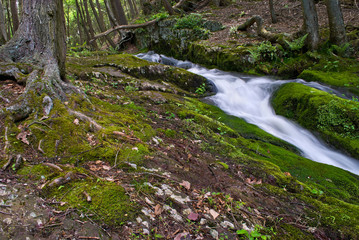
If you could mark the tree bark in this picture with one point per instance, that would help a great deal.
(3, 36)
(132, 10)
(310, 23)
(79, 28)
(39, 41)
(168, 7)
(272, 12)
(89, 23)
(336, 23)
(110, 14)
(9, 22)
(100, 22)
(83, 25)
(117, 10)
(14, 14)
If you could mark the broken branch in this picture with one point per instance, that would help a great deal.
(134, 26)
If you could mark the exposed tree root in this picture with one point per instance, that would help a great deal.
(262, 32)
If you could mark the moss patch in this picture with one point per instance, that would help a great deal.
(336, 119)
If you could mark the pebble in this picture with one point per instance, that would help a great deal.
(203, 221)
(227, 224)
(214, 233)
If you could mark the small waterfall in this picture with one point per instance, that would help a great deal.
(249, 98)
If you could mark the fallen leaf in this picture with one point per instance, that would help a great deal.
(213, 213)
(158, 209)
(185, 184)
(193, 216)
(105, 167)
(287, 174)
(23, 137)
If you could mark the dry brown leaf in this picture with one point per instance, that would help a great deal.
(105, 167)
(23, 136)
(185, 184)
(287, 174)
(158, 209)
(213, 213)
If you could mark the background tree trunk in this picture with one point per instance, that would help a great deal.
(336, 23)
(272, 12)
(310, 23)
(100, 22)
(88, 22)
(117, 10)
(3, 36)
(168, 7)
(14, 14)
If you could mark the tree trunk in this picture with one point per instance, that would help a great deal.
(117, 10)
(110, 14)
(100, 22)
(168, 7)
(79, 28)
(89, 23)
(14, 14)
(132, 10)
(83, 25)
(3, 36)
(39, 41)
(336, 23)
(272, 12)
(9, 22)
(310, 23)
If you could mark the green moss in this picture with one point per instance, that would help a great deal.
(336, 119)
(345, 79)
(109, 204)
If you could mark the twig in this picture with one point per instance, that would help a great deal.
(53, 166)
(6, 213)
(88, 197)
(39, 123)
(39, 147)
(6, 141)
(86, 118)
(84, 237)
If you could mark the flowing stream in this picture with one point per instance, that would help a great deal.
(248, 97)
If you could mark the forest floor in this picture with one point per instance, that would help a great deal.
(192, 195)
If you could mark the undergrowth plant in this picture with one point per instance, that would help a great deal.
(297, 44)
(191, 21)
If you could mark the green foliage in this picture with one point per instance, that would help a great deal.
(265, 51)
(201, 89)
(191, 21)
(333, 116)
(256, 233)
(331, 66)
(342, 51)
(297, 44)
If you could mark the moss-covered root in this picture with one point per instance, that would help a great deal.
(336, 119)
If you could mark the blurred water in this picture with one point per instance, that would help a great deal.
(249, 98)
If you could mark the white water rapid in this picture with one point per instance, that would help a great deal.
(249, 98)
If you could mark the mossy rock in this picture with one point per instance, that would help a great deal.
(346, 79)
(334, 118)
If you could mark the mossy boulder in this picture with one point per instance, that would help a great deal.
(334, 118)
(346, 79)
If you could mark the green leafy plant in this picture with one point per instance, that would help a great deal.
(297, 44)
(201, 89)
(342, 50)
(191, 21)
(256, 233)
(331, 66)
(265, 51)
